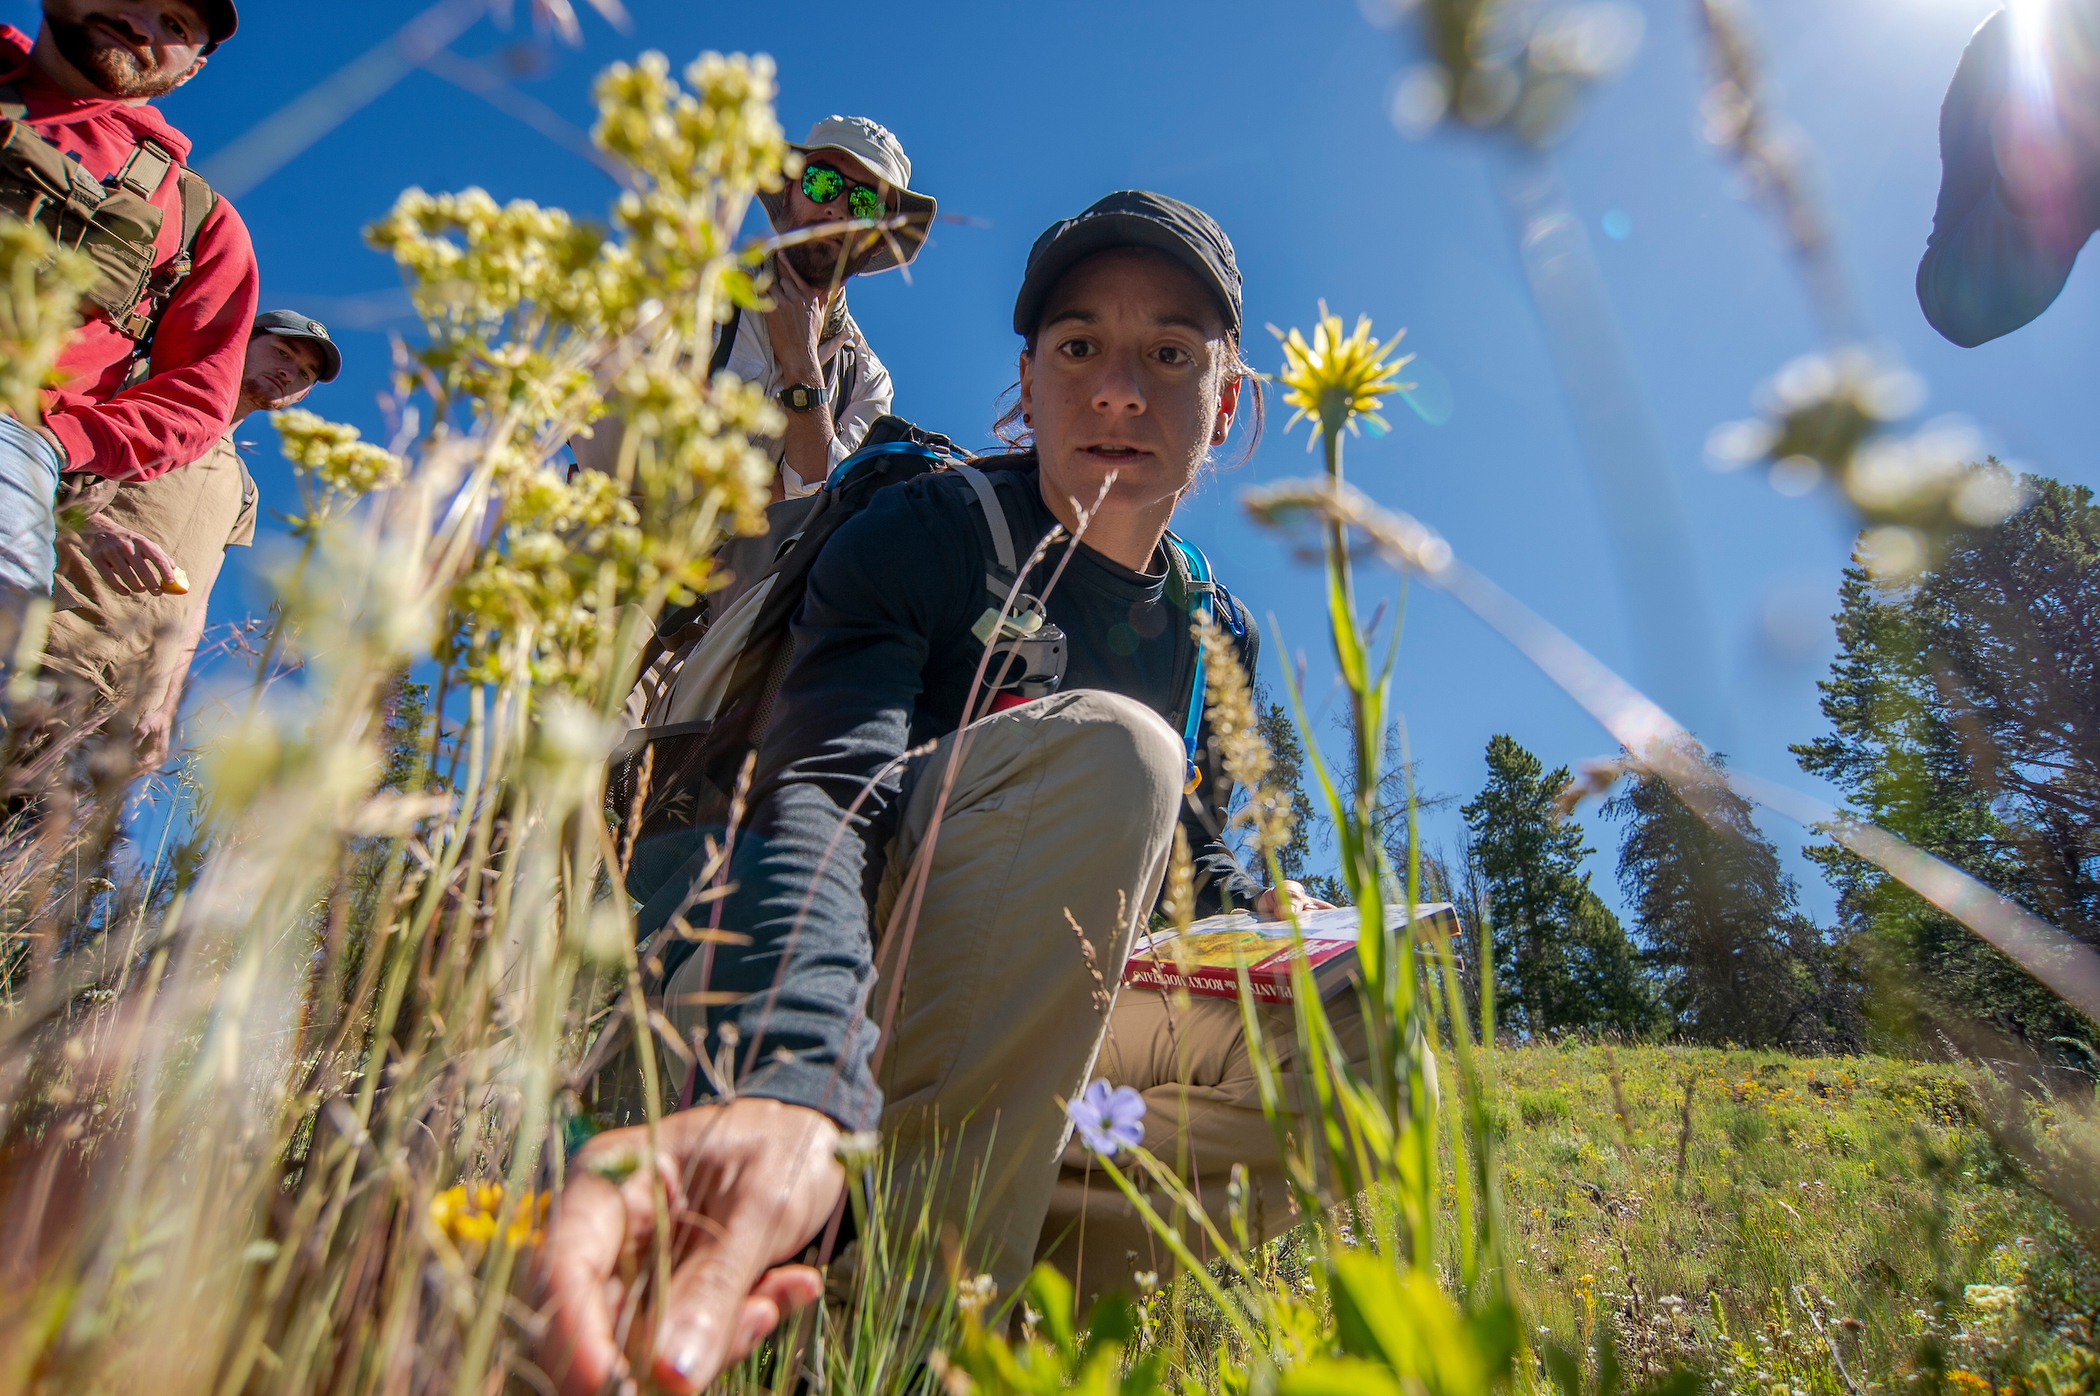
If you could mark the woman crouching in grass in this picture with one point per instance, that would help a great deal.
(1004, 862)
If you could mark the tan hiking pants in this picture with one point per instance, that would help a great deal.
(1191, 1062)
(130, 646)
(1068, 804)
(1061, 811)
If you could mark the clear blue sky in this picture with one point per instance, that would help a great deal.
(1272, 117)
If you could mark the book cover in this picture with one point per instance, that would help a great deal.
(1207, 958)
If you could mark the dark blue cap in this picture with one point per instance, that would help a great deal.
(1131, 218)
(221, 19)
(290, 324)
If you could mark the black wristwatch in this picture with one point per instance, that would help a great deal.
(802, 397)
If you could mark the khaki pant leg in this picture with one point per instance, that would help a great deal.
(1203, 1114)
(133, 644)
(1067, 804)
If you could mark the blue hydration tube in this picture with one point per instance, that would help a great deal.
(1199, 572)
(887, 448)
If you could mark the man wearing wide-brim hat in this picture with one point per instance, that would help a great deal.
(811, 356)
(856, 210)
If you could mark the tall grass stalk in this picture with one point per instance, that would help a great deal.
(289, 1125)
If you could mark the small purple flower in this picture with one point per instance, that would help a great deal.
(1108, 1119)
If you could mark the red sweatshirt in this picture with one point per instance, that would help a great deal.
(175, 416)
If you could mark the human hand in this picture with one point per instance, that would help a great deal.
(130, 562)
(795, 324)
(154, 733)
(746, 1185)
(1270, 907)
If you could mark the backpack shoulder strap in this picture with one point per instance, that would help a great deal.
(725, 341)
(994, 518)
(1201, 590)
(843, 373)
(198, 200)
(146, 170)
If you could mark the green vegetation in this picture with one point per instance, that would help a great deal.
(1817, 1223)
(1763, 1221)
(1962, 720)
(284, 1113)
(1561, 958)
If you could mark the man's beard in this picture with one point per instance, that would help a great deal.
(817, 261)
(263, 398)
(113, 69)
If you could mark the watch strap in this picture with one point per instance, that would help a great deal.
(803, 397)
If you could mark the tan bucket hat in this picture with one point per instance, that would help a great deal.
(872, 145)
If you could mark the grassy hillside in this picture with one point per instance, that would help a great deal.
(1835, 1224)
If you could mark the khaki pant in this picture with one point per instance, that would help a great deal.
(1063, 808)
(1066, 805)
(1191, 1061)
(131, 646)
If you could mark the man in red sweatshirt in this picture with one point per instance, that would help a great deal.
(149, 387)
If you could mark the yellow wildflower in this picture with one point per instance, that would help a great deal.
(1337, 378)
(468, 1215)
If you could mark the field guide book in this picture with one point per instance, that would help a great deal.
(1207, 958)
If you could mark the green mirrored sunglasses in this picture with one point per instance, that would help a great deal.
(821, 184)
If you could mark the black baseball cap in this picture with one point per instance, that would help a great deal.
(221, 19)
(1131, 218)
(292, 325)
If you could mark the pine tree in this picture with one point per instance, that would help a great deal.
(1738, 961)
(1287, 765)
(1965, 718)
(1610, 983)
(1561, 959)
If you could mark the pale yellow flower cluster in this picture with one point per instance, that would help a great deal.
(503, 288)
(689, 149)
(691, 431)
(560, 540)
(1992, 1299)
(40, 286)
(334, 455)
(1832, 418)
(1517, 66)
(468, 1215)
(540, 324)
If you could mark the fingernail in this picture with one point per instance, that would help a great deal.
(686, 1363)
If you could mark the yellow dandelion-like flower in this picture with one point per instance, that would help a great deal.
(1338, 378)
